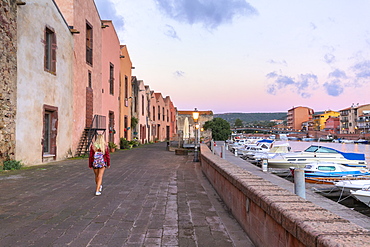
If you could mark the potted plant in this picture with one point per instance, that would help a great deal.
(124, 143)
(112, 146)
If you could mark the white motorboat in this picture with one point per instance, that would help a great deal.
(316, 153)
(332, 169)
(352, 184)
(276, 149)
(240, 144)
(261, 146)
(362, 195)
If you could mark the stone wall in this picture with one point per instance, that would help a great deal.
(272, 216)
(8, 78)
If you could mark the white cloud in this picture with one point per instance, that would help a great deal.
(210, 13)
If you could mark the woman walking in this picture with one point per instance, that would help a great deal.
(99, 159)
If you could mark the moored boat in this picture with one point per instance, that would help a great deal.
(362, 195)
(276, 149)
(329, 172)
(362, 141)
(352, 184)
(331, 169)
(317, 153)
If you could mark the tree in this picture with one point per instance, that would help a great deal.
(238, 123)
(220, 129)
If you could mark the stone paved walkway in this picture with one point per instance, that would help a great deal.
(151, 197)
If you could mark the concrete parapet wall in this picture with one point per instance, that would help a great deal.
(273, 216)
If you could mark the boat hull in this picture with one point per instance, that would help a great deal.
(353, 184)
(362, 195)
(333, 180)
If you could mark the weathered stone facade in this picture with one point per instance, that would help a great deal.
(8, 78)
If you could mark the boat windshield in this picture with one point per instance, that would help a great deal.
(326, 168)
(319, 149)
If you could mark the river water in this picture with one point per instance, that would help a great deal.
(344, 147)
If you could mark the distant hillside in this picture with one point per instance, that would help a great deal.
(252, 117)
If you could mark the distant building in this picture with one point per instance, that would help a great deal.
(349, 116)
(297, 115)
(332, 125)
(186, 125)
(363, 123)
(277, 121)
(320, 119)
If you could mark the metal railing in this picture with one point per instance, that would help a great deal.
(98, 124)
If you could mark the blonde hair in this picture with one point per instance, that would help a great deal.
(99, 143)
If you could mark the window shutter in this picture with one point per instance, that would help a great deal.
(54, 53)
(45, 50)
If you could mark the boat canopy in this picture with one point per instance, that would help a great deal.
(266, 140)
(321, 149)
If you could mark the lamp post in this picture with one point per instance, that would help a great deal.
(195, 118)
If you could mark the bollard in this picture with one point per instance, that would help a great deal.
(212, 146)
(236, 152)
(224, 151)
(227, 146)
(264, 165)
(299, 183)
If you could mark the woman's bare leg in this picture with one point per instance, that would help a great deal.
(99, 177)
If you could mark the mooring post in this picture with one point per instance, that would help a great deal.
(299, 183)
(264, 165)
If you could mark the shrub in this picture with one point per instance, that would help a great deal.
(124, 144)
(12, 165)
(134, 143)
(112, 145)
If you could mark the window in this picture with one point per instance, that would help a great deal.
(142, 105)
(126, 90)
(126, 126)
(89, 44)
(159, 113)
(111, 78)
(153, 113)
(326, 168)
(162, 113)
(111, 127)
(50, 50)
(89, 79)
(126, 87)
(47, 122)
(50, 131)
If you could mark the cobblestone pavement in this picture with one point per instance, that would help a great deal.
(151, 197)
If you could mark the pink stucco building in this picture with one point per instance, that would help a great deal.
(110, 80)
(85, 24)
(171, 118)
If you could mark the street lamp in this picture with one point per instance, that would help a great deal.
(195, 118)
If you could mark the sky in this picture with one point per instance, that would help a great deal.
(248, 56)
